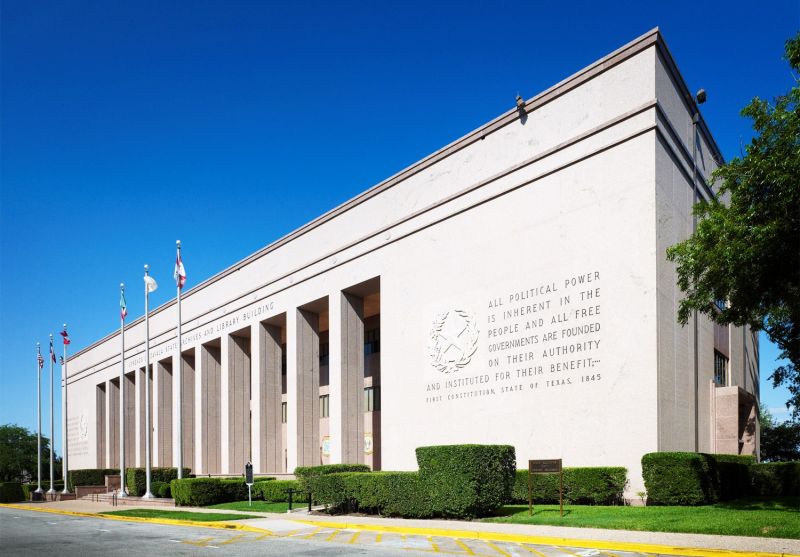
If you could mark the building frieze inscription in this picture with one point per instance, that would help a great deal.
(208, 332)
(532, 340)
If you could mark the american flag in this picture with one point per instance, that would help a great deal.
(40, 359)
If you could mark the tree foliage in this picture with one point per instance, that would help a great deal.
(18, 455)
(780, 442)
(746, 246)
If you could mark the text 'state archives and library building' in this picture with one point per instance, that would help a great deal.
(510, 288)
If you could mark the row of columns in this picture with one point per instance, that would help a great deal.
(233, 391)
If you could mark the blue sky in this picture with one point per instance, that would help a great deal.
(127, 125)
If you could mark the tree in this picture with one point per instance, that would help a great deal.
(780, 442)
(18, 455)
(746, 246)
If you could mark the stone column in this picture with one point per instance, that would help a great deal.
(305, 397)
(164, 415)
(211, 414)
(187, 361)
(269, 406)
(113, 422)
(352, 362)
(238, 372)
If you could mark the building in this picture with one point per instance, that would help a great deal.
(510, 288)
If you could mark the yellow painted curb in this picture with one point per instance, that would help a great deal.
(219, 525)
(545, 540)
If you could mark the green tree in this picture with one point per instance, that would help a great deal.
(780, 442)
(18, 455)
(746, 247)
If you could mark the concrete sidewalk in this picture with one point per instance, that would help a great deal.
(625, 540)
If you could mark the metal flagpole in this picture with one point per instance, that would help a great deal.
(122, 492)
(147, 494)
(180, 368)
(64, 448)
(52, 489)
(39, 366)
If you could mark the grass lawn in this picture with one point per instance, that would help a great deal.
(179, 515)
(258, 506)
(772, 518)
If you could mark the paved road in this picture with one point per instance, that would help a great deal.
(24, 532)
(34, 533)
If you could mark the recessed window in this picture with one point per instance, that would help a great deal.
(372, 341)
(324, 350)
(284, 412)
(720, 369)
(372, 399)
(721, 304)
(324, 406)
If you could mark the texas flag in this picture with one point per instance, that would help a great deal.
(52, 352)
(180, 272)
(66, 337)
(123, 308)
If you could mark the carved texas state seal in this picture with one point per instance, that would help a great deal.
(453, 340)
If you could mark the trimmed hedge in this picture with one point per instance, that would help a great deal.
(275, 491)
(90, 476)
(775, 479)
(11, 492)
(465, 481)
(677, 479)
(695, 478)
(730, 475)
(386, 493)
(582, 486)
(135, 478)
(201, 492)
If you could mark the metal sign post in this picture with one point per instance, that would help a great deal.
(248, 479)
(552, 466)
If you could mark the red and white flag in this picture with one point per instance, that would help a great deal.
(180, 273)
(66, 337)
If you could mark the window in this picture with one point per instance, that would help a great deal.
(284, 412)
(324, 406)
(324, 350)
(283, 359)
(372, 341)
(372, 399)
(721, 304)
(720, 369)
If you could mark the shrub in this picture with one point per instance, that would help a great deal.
(464, 481)
(211, 491)
(775, 479)
(677, 479)
(136, 481)
(730, 476)
(587, 486)
(90, 476)
(11, 492)
(275, 491)
(386, 493)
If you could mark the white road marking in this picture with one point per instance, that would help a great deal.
(103, 530)
(175, 541)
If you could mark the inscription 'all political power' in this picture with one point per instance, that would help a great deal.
(546, 336)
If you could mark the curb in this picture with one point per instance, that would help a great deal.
(164, 521)
(545, 540)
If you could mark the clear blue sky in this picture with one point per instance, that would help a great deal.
(128, 125)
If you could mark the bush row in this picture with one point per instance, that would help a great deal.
(702, 479)
(136, 479)
(275, 491)
(387, 493)
(90, 476)
(582, 486)
(775, 478)
(11, 492)
(459, 481)
(302, 473)
(201, 492)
